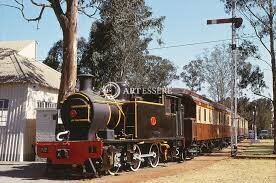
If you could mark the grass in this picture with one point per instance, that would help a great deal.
(228, 171)
(259, 149)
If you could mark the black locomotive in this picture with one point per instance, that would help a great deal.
(103, 134)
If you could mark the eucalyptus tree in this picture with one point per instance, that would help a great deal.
(118, 41)
(192, 74)
(66, 12)
(54, 58)
(260, 15)
(213, 69)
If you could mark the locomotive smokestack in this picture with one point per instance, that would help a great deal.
(85, 81)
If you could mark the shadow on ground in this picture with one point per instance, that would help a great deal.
(32, 171)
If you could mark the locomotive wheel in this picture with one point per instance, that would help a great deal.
(135, 163)
(154, 160)
(115, 165)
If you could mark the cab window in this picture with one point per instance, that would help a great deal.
(171, 105)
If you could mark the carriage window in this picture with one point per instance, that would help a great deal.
(199, 113)
(205, 115)
(210, 118)
(227, 120)
(4, 103)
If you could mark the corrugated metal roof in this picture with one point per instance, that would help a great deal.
(16, 68)
(16, 45)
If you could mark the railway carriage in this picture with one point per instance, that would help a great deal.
(208, 124)
(104, 134)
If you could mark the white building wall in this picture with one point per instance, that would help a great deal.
(46, 124)
(17, 138)
(37, 94)
(11, 135)
(29, 51)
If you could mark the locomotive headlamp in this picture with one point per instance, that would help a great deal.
(73, 113)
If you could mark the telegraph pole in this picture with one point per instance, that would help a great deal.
(236, 23)
(255, 124)
(234, 84)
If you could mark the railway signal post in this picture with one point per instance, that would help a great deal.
(236, 23)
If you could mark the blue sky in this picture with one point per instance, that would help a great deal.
(185, 23)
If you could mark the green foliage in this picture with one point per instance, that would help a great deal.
(192, 74)
(154, 72)
(264, 113)
(263, 109)
(250, 76)
(54, 58)
(214, 69)
(117, 46)
(217, 72)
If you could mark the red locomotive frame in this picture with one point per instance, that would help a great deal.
(75, 152)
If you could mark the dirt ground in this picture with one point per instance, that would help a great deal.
(212, 168)
(228, 171)
(170, 169)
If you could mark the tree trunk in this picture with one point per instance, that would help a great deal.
(272, 53)
(69, 65)
(274, 99)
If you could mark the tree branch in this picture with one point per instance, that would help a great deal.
(255, 30)
(262, 96)
(40, 4)
(10, 6)
(21, 8)
(254, 15)
(260, 38)
(62, 19)
(82, 11)
(265, 62)
(265, 10)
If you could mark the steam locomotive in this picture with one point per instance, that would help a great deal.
(103, 134)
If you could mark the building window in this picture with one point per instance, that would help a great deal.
(4, 105)
(44, 104)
